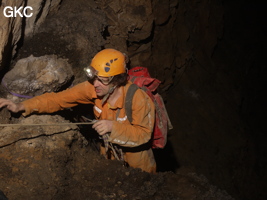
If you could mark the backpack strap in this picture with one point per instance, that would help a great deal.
(129, 99)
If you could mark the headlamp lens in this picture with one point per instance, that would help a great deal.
(90, 72)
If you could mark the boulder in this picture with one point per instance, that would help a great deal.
(34, 76)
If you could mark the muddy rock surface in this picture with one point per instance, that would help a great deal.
(63, 162)
(44, 164)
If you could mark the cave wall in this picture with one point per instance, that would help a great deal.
(178, 41)
(158, 35)
(13, 29)
(164, 36)
(183, 45)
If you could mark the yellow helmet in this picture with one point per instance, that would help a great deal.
(109, 62)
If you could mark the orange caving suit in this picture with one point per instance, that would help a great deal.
(132, 138)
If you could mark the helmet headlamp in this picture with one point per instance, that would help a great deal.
(90, 72)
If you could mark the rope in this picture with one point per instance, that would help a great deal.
(118, 154)
(57, 124)
(13, 93)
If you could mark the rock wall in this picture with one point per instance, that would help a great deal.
(181, 44)
(177, 41)
(13, 29)
(77, 41)
(164, 36)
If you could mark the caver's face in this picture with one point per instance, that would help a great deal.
(101, 85)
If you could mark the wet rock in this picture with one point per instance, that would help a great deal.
(33, 76)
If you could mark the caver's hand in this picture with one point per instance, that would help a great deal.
(10, 105)
(103, 126)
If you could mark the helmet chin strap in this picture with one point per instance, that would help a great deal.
(110, 91)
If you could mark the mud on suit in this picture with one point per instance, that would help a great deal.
(132, 138)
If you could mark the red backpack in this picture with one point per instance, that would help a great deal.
(142, 79)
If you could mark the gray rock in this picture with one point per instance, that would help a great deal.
(34, 76)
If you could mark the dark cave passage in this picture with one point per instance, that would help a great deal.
(229, 148)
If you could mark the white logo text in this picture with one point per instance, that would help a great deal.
(14, 12)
